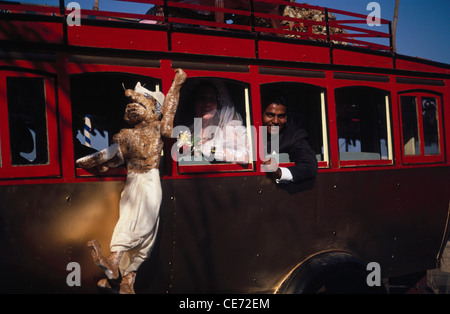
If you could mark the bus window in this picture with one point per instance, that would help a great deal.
(421, 131)
(307, 109)
(27, 120)
(98, 106)
(430, 126)
(363, 126)
(213, 126)
(410, 128)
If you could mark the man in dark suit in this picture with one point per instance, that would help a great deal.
(292, 141)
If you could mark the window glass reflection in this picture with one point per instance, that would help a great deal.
(361, 123)
(411, 140)
(430, 126)
(27, 120)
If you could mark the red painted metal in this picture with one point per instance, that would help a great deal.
(112, 172)
(410, 65)
(110, 15)
(214, 168)
(5, 154)
(118, 38)
(208, 23)
(345, 57)
(27, 8)
(293, 52)
(268, 49)
(223, 46)
(262, 9)
(200, 7)
(367, 163)
(40, 32)
(52, 169)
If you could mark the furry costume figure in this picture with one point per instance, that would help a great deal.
(151, 115)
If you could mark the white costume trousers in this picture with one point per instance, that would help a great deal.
(136, 229)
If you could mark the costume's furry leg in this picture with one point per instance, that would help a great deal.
(109, 265)
(127, 284)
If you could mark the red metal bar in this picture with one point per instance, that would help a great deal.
(362, 30)
(293, 4)
(119, 15)
(350, 163)
(206, 8)
(286, 32)
(287, 18)
(363, 43)
(349, 21)
(30, 8)
(440, 127)
(344, 35)
(420, 124)
(155, 2)
(362, 16)
(217, 168)
(208, 23)
(5, 153)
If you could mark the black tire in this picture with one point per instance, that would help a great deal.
(329, 273)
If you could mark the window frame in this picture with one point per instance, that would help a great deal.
(389, 131)
(224, 167)
(121, 170)
(422, 157)
(325, 163)
(52, 167)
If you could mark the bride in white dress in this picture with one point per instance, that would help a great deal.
(218, 132)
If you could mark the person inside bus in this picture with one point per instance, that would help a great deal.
(292, 141)
(218, 129)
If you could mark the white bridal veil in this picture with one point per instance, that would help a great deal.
(225, 139)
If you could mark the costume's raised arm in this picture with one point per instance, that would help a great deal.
(171, 103)
(108, 157)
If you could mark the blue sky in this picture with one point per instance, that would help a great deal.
(422, 29)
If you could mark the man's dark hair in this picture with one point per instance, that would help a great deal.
(274, 99)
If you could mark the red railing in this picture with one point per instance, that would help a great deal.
(298, 21)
